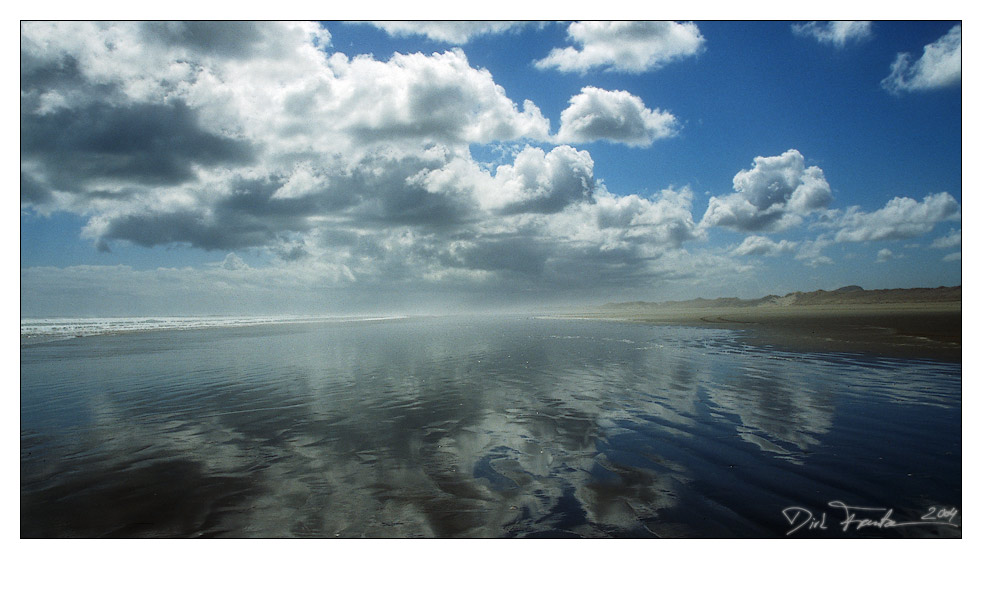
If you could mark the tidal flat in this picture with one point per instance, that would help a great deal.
(484, 427)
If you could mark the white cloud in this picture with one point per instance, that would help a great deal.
(437, 97)
(759, 245)
(624, 46)
(233, 262)
(143, 61)
(665, 221)
(776, 194)
(952, 239)
(304, 180)
(545, 182)
(454, 32)
(356, 168)
(810, 252)
(939, 66)
(536, 181)
(837, 33)
(883, 255)
(331, 173)
(616, 116)
(340, 174)
(900, 218)
(325, 167)
(952, 257)
(607, 241)
(265, 139)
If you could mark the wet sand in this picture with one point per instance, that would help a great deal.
(918, 330)
(477, 427)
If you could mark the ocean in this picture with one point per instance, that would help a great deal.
(475, 427)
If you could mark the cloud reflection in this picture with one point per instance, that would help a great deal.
(413, 428)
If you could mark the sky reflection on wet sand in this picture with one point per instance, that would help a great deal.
(472, 427)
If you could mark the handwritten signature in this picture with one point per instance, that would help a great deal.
(863, 517)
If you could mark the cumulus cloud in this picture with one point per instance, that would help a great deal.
(220, 215)
(536, 181)
(837, 33)
(618, 241)
(545, 182)
(611, 240)
(759, 245)
(952, 257)
(900, 218)
(616, 116)
(454, 32)
(228, 39)
(265, 135)
(143, 143)
(663, 221)
(624, 46)
(883, 255)
(608, 240)
(77, 63)
(939, 66)
(775, 194)
(437, 97)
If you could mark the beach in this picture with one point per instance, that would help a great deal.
(911, 330)
(481, 426)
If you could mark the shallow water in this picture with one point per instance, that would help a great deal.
(479, 427)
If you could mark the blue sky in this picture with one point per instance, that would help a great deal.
(353, 167)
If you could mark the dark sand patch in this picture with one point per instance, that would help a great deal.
(928, 330)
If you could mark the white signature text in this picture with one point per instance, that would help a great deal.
(856, 518)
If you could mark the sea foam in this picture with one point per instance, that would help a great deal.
(59, 328)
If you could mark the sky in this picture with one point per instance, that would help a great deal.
(340, 168)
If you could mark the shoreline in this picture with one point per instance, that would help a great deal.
(908, 330)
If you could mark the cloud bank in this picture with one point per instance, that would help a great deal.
(237, 137)
(309, 170)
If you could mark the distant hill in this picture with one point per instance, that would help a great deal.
(852, 294)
